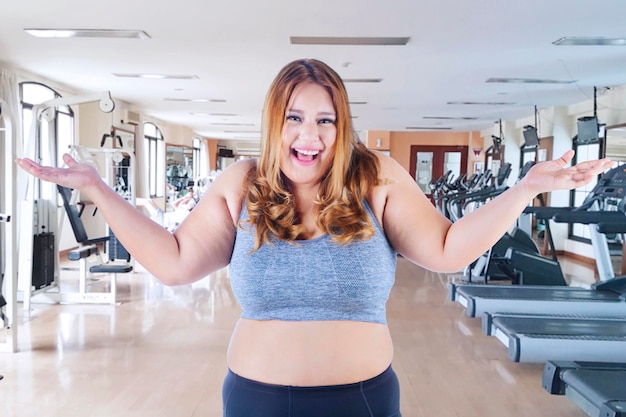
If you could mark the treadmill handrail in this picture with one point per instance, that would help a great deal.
(590, 217)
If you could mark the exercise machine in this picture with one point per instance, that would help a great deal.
(88, 250)
(480, 298)
(8, 230)
(507, 259)
(538, 337)
(598, 388)
(38, 228)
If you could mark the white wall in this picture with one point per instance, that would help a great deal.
(560, 123)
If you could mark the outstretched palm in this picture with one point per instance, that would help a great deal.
(76, 175)
(557, 175)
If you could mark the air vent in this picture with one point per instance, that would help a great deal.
(130, 118)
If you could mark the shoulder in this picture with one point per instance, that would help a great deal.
(232, 184)
(390, 169)
(391, 173)
(390, 176)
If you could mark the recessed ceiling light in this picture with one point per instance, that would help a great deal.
(245, 137)
(87, 33)
(449, 118)
(481, 103)
(231, 124)
(195, 100)
(528, 81)
(348, 40)
(362, 80)
(157, 76)
(427, 128)
(590, 41)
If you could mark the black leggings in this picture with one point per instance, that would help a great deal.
(376, 397)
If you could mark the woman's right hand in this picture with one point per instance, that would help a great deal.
(77, 175)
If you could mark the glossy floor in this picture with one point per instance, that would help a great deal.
(162, 351)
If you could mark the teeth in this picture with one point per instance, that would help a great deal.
(307, 152)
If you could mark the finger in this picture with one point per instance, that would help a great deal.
(565, 158)
(69, 161)
(598, 164)
(27, 164)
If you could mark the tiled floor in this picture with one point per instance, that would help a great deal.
(161, 352)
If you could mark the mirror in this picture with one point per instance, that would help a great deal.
(616, 143)
(179, 171)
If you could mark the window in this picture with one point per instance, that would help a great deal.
(46, 141)
(527, 155)
(584, 152)
(156, 159)
(195, 157)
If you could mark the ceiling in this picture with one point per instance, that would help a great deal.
(236, 47)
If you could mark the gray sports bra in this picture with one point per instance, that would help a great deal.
(314, 279)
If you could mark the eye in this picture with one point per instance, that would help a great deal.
(293, 118)
(326, 121)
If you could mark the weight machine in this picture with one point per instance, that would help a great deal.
(38, 228)
(8, 231)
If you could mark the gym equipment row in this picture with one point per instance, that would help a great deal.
(456, 197)
(506, 260)
(556, 325)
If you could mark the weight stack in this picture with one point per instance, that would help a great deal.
(43, 260)
(116, 250)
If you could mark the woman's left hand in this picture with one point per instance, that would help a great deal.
(556, 175)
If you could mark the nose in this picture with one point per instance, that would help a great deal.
(309, 132)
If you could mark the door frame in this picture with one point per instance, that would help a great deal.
(438, 160)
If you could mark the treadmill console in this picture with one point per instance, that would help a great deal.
(610, 189)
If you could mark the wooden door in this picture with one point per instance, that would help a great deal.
(429, 163)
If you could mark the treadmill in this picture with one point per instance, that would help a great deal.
(537, 338)
(606, 298)
(481, 298)
(597, 388)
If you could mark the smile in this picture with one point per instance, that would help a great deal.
(305, 155)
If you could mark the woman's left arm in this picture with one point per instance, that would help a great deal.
(423, 235)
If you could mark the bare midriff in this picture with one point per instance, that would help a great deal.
(309, 353)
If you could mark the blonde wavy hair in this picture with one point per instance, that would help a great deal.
(353, 171)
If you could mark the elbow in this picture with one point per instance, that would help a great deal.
(172, 277)
(443, 264)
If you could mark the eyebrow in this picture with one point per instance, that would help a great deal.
(324, 113)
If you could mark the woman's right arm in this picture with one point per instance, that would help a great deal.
(202, 243)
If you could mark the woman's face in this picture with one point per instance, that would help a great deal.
(309, 135)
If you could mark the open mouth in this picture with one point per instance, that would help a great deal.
(305, 155)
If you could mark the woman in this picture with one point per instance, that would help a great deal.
(311, 231)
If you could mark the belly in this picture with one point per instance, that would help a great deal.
(309, 353)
